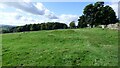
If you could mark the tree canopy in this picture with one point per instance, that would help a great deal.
(97, 14)
(72, 24)
(36, 27)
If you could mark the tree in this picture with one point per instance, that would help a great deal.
(43, 26)
(49, 25)
(81, 22)
(97, 14)
(36, 27)
(31, 27)
(109, 16)
(72, 24)
(65, 26)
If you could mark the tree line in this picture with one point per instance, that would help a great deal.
(36, 27)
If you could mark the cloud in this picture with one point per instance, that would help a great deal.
(66, 18)
(50, 14)
(8, 18)
(33, 8)
(27, 7)
(15, 18)
(69, 18)
(18, 17)
(2, 6)
(30, 13)
(114, 5)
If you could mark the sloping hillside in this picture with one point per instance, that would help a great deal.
(84, 47)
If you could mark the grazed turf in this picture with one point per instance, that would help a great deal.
(84, 47)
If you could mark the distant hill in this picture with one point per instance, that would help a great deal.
(5, 27)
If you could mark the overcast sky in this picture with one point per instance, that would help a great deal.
(29, 12)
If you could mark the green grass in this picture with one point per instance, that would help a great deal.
(70, 47)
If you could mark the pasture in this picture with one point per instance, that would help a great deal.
(68, 47)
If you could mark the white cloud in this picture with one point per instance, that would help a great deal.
(68, 18)
(8, 18)
(114, 5)
(40, 6)
(15, 18)
(1, 6)
(65, 18)
(29, 13)
(50, 14)
(26, 0)
(27, 7)
(33, 8)
(18, 17)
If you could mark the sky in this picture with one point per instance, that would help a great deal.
(31, 12)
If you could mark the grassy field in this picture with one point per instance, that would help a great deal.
(84, 47)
